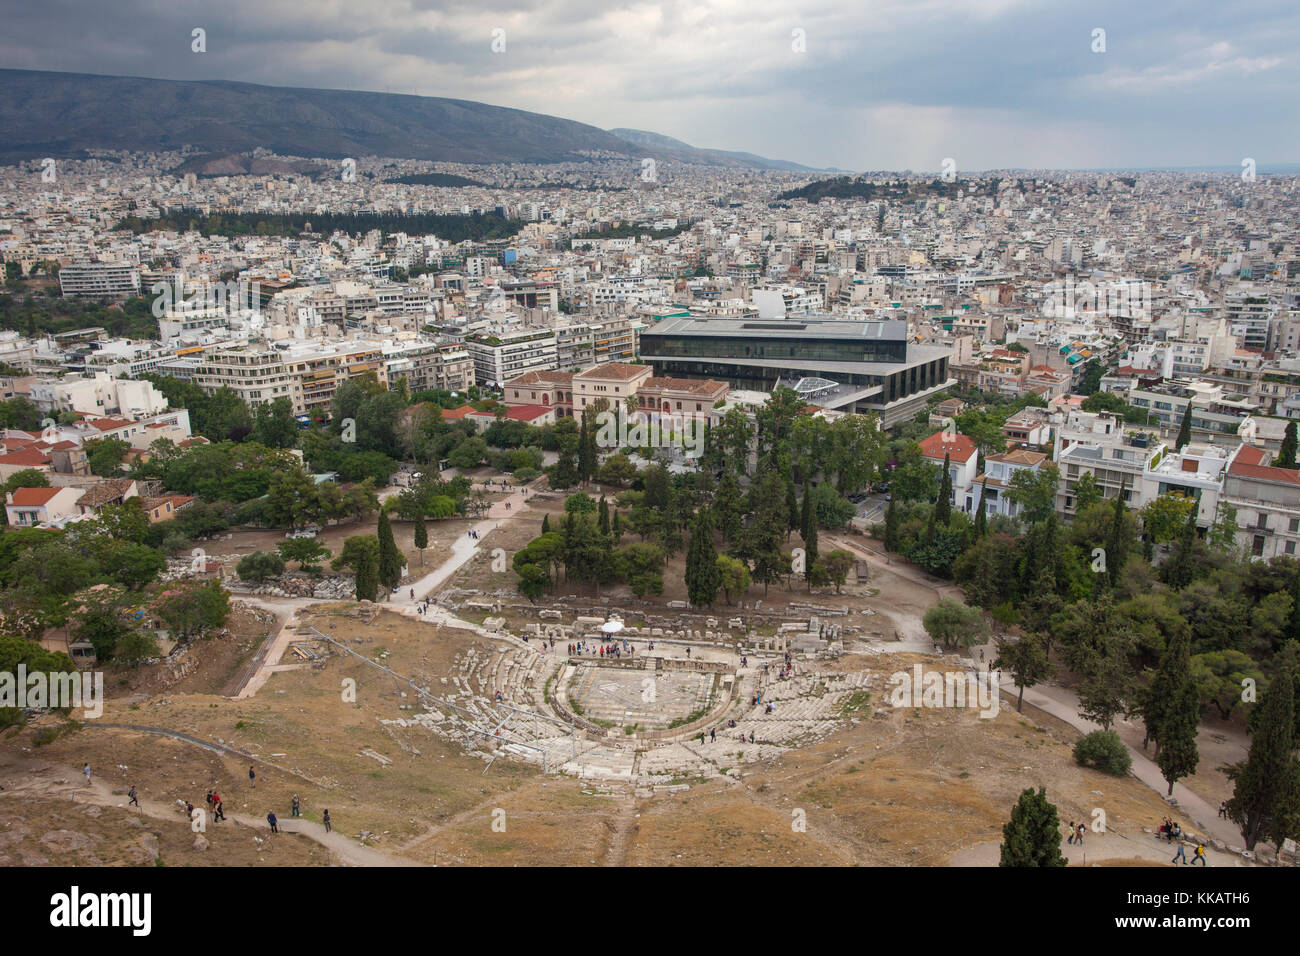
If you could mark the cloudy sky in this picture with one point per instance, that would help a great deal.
(885, 84)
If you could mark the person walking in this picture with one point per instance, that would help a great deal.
(86, 771)
(1070, 838)
(1223, 809)
(217, 812)
(252, 777)
(1079, 834)
(134, 801)
(1199, 855)
(326, 820)
(295, 807)
(270, 818)
(1180, 855)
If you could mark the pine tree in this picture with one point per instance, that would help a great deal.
(1178, 714)
(421, 536)
(703, 577)
(390, 559)
(546, 524)
(943, 507)
(1287, 453)
(891, 526)
(981, 516)
(1185, 429)
(1262, 783)
(1032, 837)
(808, 529)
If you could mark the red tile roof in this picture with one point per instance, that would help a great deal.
(457, 413)
(25, 458)
(956, 447)
(1252, 462)
(34, 497)
(108, 424)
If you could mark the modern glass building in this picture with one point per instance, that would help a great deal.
(872, 364)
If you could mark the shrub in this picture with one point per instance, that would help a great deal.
(259, 566)
(1103, 750)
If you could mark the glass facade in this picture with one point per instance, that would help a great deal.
(770, 347)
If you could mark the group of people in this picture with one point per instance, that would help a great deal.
(614, 649)
(1076, 833)
(1169, 830)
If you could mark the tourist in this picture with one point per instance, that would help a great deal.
(1199, 854)
(326, 820)
(412, 594)
(1070, 838)
(189, 809)
(751, 736)
(1079, 831)
(131, 793)
(270, 818)
(217, 812)
(86, 771)
(1180, 855)
(1223, 809)
(295, 807)
(252, 778)
(713, 736)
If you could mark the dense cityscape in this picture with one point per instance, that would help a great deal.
(651, 505)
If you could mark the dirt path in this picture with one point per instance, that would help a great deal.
(1103, 846)
(68, 784)
(622, 832)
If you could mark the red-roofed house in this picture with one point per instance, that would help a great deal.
(1267, 500)
(22, 459)
(29, 507)
(531, 414)
(962, 460)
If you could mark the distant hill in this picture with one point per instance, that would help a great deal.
(66, 114)
(686, 153)
(62, 114)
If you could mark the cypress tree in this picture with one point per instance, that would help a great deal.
(1263, 784)
(616, 526)
(792, 507)
(1185, 429)
(1116, 552)
(421, 536)
(891, 526)
(546, 524)
(390, 559)
(943, 507)
(1287, 453)
(808, 529)
(585, 463)
(604, 516)
(703, 578)
(1032, 837)
(1177, 713)
(981, 516)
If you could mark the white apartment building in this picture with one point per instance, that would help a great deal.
(500, 356)
(107, 279)
(98, 394)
